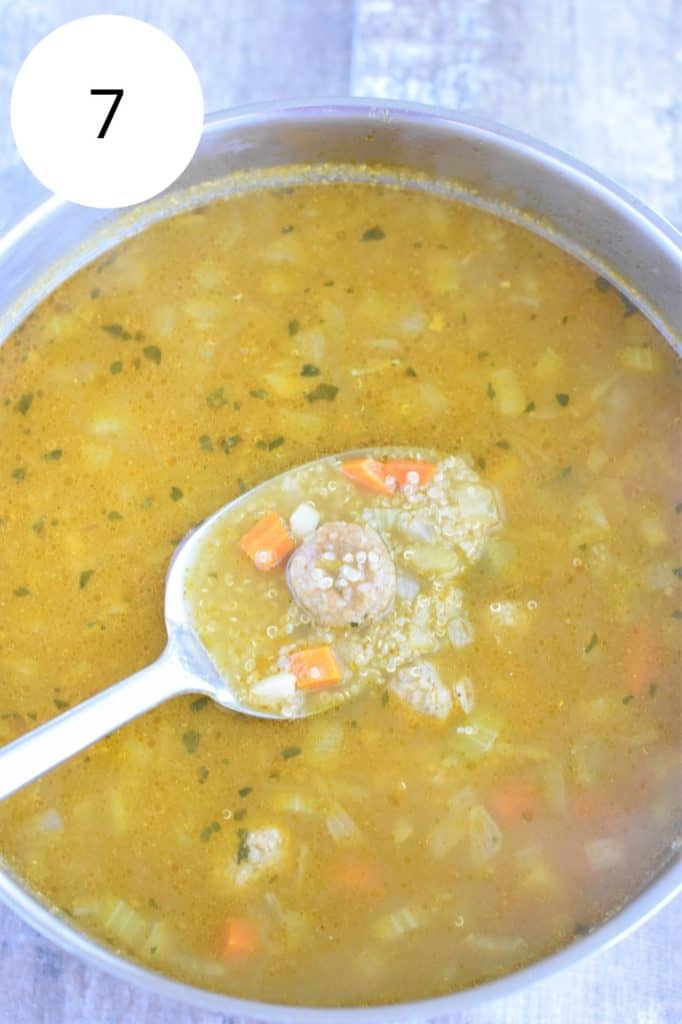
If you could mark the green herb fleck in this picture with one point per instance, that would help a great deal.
(230, 442)
(328, 284)
(677, 614)
(152, 353)
(503, 444)
(482, 355)
(199, 704)
(630, 697)
(216, 398)
(37, 527)
(678, 508)
(374, 234)
(53, 456)
(385, 697)
(243, 847)
(678, 572)
(116, 331)
(563, 399)
(581, 929)
(19, 473)
(240, 814)
(290, 752)
(410, 372)
(175, 493)
(205, 443)
(24, 403)
(310, 371)
(490, 391)
(258, 393)
(293, 327)
(530, 407)
(323, 393)
(594, 640)
(287, 229)
(84, 578)
(245, 790)
(94, 293)
(114, 516)
(276, 442)
(22, 592)
(601, 283)
(191, 740)
(207, 832)
(202, 774)
(652, 690)
(116, 367)
(564, 472)
(60, 704)
(481, 462)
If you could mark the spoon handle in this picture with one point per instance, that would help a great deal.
(47, 746)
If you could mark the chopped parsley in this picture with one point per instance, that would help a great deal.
(258, 393)
(230, 442)
(594, 640)
(374, 234)
(410, 372)
(37, 527)
(84, 578)
(19, 473)
(175, 493)
(630, 697)
(293, 327)
(114, 516)
(24, 403)
(205, 443)
(207, 832)
(117, 331)
(385, 697)
(243, 847)
(216, 398)
(152, 353)
(22, 592)
(287, 229)
(308, 370)
(191, 740)
(116, 367)
(490, 390)
(562, 398)
(199, 704)
(60, 704)
(530, 407)
(245, 790)
(53, 456)
(323, 393)
(678, 572)
(290, 752)
(202, 774)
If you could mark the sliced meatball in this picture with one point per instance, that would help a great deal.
(420, 686)
(261, 852)
(342, 574)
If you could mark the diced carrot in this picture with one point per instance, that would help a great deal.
(268, 542)
(514, 800)
(357, 876)
(416, 472)
(369, 473)
(239, 938)
(641, 659)
(315, 667)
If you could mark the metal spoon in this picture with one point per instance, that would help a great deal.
(184, 667)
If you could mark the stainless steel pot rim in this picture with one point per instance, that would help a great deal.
(656, 895)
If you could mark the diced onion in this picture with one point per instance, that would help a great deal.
(304, 520)
(464, 691)
(485, 836)
(603, 854)
(396, 924)
(274, 689)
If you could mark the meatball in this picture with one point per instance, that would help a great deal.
(342, 574)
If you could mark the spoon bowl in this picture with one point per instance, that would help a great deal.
(184, 667)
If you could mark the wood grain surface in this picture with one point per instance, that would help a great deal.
(600, 79)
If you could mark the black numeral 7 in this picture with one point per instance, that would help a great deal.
(118, 96)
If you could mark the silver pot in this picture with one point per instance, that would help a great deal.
(481, 162)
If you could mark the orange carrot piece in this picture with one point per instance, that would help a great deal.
(641, 659)
(400, 468)
(514, 800)
(369, 473)
(358, 876)
(268, 542)
(315, 667)
(239, 938)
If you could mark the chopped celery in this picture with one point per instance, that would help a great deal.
(508, 393)
(485, 836)
(123, 923)
(477, 736)
(393, 926)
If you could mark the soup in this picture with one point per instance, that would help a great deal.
(374, 852)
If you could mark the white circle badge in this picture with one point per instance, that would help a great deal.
(107, 111)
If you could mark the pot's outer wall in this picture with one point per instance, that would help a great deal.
(497, 169)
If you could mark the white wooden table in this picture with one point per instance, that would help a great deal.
(601, 79)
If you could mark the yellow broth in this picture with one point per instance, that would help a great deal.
(221, 347)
